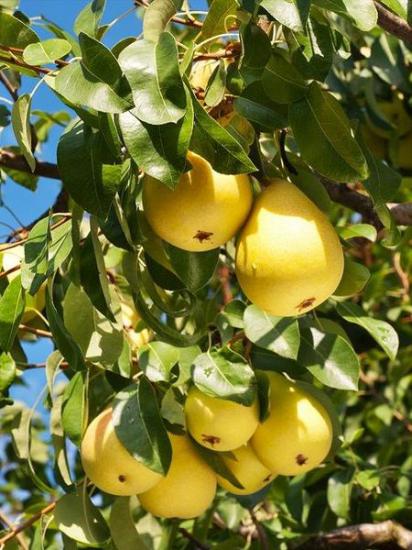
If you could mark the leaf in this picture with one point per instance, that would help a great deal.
(381, 331)
(254, 105)
(89, 18)
(339, 492)
(364, 230)
(74, 408)
(225, 374)
(354, 279)
(157, 359)
(122, 527)
(103, 65)
(281, 81)
(256, 49)
(219, 15)
(14, 32)
(138, 425)
(153, 73)
(276, 334)
(329, 358)
(82, 156)
(156, 17)
(364, 14)
(216, 86)
(64, 342)
(7, 371)
(195, 269)
(312, 187)
(46, 51)
(80, 87)
(286, 12)
(61, 464)
(20, 119)
(324, 137)
(217, 145)
(216, 462)
(12, 305)
(76, 516)
(160, 152)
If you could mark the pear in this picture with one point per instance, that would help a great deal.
(109, 465)
(204, 211)
(297, 435)
(130, 318)
(188, 488)
(248, 470)
(12, 258)
(219, 424)
(288, 258)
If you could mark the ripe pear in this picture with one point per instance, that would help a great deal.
(109, 465)
(297, 435)
(288, 258)
(130, 317)
(219, 424)
(204, 211)
(188, 488)
(12, 258)
(248, 470)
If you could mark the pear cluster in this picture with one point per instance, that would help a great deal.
(288, 256)
(295, 437)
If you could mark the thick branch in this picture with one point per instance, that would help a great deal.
(360, 537)
(393, 24)
(18, 162)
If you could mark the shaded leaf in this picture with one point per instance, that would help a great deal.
(7, 371)
(46, 51)
(74, 408)
(195, 269)
(20, 119)
(14, 32)
(219, 15)
(339, 492)
(12, 305)
(355, 277)
(89, 18)
(157, 359)
(281, 81)
(122, 527)
(156, 17)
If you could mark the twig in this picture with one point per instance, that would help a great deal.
(188, 535)
(402, 275)
(14, 532)
(19, 63)
(36, 331)
(224, 278)
(20, 539)
(360, 537)
(260, 531)
(9, 86)
(8, 159)
(393, 24)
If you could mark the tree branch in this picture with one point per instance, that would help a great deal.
(9, 87)
(8, 159)
(360, 537)
(393, 24)
(19, 538)
(16, 530)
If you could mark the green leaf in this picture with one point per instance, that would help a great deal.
(14, 32)
(281, 81)
(256, 48)
(354, 279)
(364, 14)
(122, 527)
(76, 516)
(103, 65)
(254, 105)
(157, 360)
(4, 117)
(286, 12)
(99, 340)
(160, 152)
(217, 145)
(216, 462)
(89, 18)
(195, 269)
(20, 119)
(329, 358)
(46, 51)
(156, 17)
(61, 464)
(220, 14)
(324, 136)
(153, 74)
(64, 341)
(83, 161)
(139, 426)
(74, 408)
(276, 334)
(339, 492)
(225, 374)
(12, 305)
(7, 371)
(80, 87)
(312, 187)
(381, 331)
(364, 230)
(216, 86)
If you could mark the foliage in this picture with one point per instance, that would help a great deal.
(313, 91)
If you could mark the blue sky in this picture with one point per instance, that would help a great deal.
(26, 205)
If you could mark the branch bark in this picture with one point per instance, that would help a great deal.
(8, 159)
(14, 532)
(393, 24)
(9, 87)
(359, 537)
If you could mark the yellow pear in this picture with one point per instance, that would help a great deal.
(219, 424)
(109, 465)
(12, 258)
(130, 317)
(188, 488)
(248, 470)
(297, 435)
(288, 258)
(204, 211)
